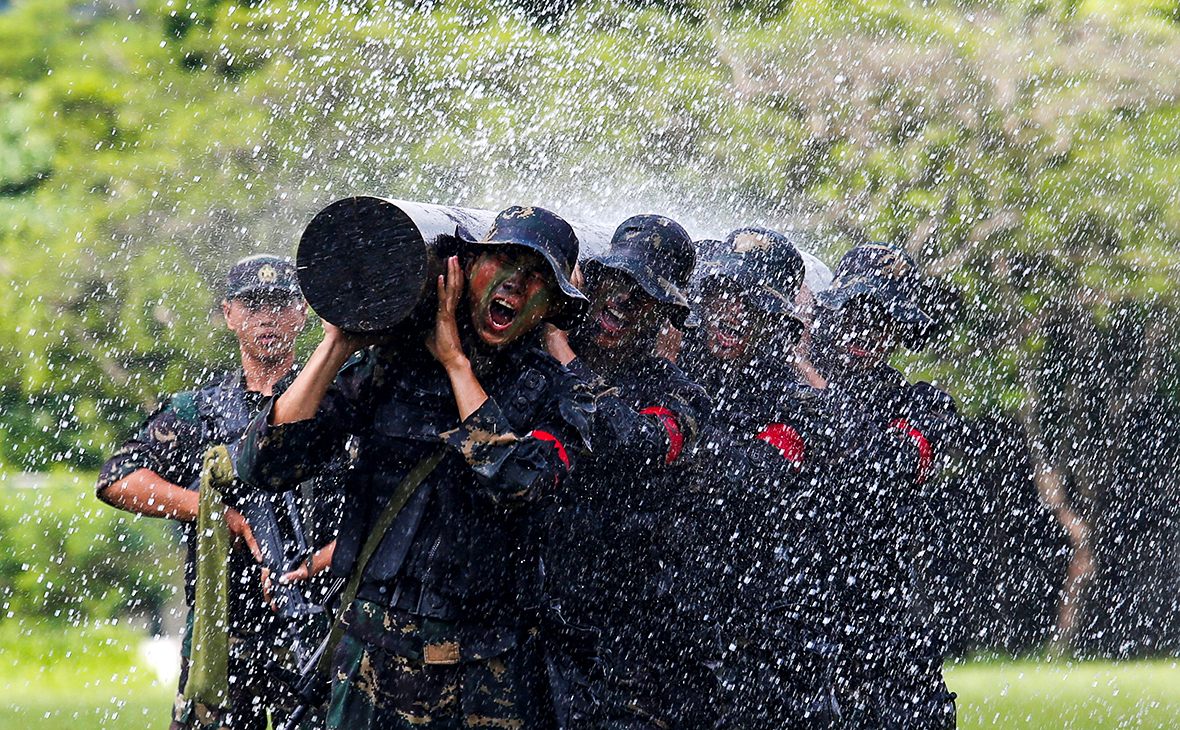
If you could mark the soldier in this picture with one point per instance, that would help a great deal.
(608, 563)
(470, 425)
(877, 490)
(157, 471)
(756, 462)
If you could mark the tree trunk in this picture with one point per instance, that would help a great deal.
(1081, 564)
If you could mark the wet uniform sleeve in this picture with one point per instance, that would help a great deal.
(928, 426)
(276, 458)
(519, 468)
(168, 443)
(663, 426)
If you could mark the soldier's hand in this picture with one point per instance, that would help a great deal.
(557, 343)
(239, 529)
(320, 560)
(351, 341)
(444, 342)
(268, 590)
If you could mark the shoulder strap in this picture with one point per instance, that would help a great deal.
(400, 496)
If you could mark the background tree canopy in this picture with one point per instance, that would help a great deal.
(1025, 152)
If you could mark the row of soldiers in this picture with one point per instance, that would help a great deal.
(684, 491)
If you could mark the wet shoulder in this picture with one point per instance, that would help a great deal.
(182, 407)
(664, 376)
(541, 371)
(933, 398)
(544, 382)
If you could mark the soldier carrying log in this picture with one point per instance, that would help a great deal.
(877, 492)
(755, 570)
(464, 426)
(620, 659)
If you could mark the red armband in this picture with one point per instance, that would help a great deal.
(675, 438)
(788, 442)
(925, 451)
(565, 459)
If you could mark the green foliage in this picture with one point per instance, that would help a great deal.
(1025, 152)
(70, 560)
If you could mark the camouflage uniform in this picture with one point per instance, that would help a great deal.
(609, 566)
(757, 580)
(618, 658)
(877, 507)
(172, 443)
(440, 634)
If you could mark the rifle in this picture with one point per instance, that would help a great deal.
(306, 683)
(278, 555)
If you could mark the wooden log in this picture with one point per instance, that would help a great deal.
(366, 264)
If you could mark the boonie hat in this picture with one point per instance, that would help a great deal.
(549, 235)
(764, 263)
(888, 274)
(658, 254)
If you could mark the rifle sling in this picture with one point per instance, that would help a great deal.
(400, 496)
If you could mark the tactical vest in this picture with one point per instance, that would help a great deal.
(451, 546)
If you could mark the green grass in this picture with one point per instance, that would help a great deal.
(59, 677)
(113, 707)
(1067, 695)
(80, 678)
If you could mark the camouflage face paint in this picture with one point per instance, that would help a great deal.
(622, 315)
(731, 328)
(859, 336)
(510, 290)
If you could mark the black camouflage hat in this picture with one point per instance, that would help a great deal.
(262, 274)
(549, 235)
(658, 254)
(887, 273)
(764, 263)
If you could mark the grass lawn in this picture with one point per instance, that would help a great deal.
(78, 678)
(1067, 695)
(114, 706)
(95, 678)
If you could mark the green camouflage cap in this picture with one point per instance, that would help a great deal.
(658, 254)
(885, 272)
(262, 274)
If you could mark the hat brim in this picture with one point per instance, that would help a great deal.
(906, 312)
(761, 296)
(266, 289)
(573, 311)
(662, 291)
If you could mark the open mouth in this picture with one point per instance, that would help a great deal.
(267, 339)
(728, 334)
(612, 320)
(856, 349)
(501, 314)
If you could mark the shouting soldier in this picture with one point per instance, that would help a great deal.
(608, 559)
(460, 429)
